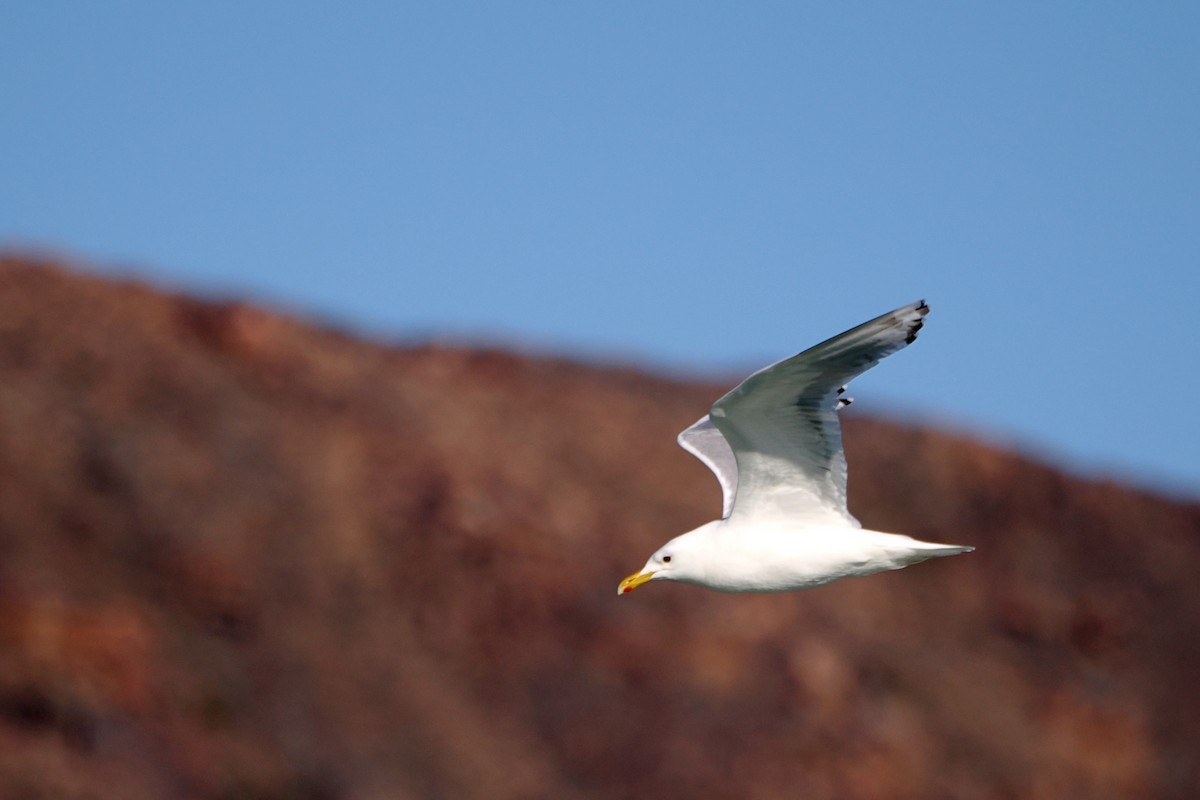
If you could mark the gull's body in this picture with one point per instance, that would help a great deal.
(775, 445)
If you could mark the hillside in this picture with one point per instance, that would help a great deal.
(246, 557)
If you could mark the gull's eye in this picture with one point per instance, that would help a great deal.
(666, 559)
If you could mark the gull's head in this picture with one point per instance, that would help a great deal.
(674, 561)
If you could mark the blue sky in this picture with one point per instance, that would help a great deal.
(694, 187)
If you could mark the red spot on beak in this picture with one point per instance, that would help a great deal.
(628, 589)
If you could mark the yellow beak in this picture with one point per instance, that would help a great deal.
(633, 581)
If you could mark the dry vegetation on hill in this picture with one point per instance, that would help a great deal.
(243, 556)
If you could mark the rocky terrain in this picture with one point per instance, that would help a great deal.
(242, 556)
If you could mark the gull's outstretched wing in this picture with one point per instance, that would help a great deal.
(781, 423)
(706, 443)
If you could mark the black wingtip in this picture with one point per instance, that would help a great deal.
(922, 308)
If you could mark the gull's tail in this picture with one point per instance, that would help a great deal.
(919, 551)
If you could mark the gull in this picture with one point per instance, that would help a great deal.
(775, 445)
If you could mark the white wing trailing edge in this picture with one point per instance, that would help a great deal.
(774, 441)
(706, 443)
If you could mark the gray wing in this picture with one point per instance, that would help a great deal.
(781, 423)
(706, 443)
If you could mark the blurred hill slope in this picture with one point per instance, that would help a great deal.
(244, 556)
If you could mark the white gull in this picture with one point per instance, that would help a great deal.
(775, 445)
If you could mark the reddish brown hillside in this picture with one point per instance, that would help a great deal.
(241, 556)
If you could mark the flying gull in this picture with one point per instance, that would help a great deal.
(775, 445)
